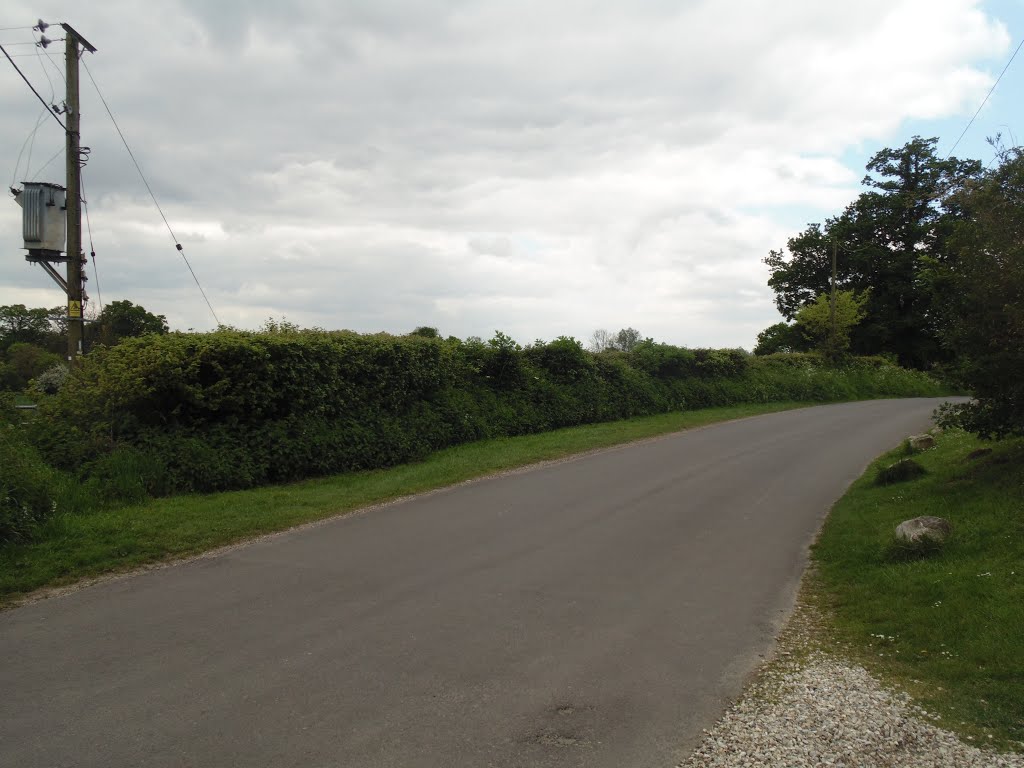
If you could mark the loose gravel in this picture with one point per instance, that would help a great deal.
(809, 707)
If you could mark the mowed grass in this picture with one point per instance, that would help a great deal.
(69, 548)
(949, 627)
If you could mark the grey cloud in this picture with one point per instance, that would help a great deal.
(472, 165)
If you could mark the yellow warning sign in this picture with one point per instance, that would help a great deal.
(74, 309)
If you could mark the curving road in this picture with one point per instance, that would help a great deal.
(594, 612)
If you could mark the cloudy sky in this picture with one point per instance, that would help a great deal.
(535, 167)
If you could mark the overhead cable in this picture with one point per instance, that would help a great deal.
(985, 100)
(149, 189)
(29, 84)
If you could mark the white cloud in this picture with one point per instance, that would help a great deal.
(542, 168)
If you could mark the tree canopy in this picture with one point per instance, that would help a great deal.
(625, 340)
(123, 319)
(983, 291)
(892, 240)
(34, 340)
(828, 322)
(39, 326)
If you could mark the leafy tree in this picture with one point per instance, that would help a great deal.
(123, 319)
(985, 295)
(426, 332)
(23, 362)
(781, 337)
(828, 325)
(38, 326)
(890, 240)
(627, 338)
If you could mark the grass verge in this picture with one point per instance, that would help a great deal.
(72, 547)
(946, 625)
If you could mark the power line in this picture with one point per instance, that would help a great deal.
(985, 100)
(49, 57)
(44, 165)
(31, 137)
(138, 168)
(41, 101)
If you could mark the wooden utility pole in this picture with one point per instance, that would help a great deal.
(832, 302)
(75, 283)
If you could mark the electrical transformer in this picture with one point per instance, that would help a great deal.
(43, 220)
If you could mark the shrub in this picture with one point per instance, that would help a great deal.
(235, 409)
(27, 487)
(51, 380)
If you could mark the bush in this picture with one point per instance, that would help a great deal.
(234, 409)
(27, 487)
(51, 380)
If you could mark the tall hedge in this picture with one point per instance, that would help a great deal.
(235, 409)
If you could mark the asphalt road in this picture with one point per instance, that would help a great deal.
(595, 612)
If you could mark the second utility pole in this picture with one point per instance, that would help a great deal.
(76, 290)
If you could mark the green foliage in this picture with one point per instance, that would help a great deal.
(828, 323)
(127, 475)
(233, 409)
(426, 331)
(51, 380)
(27, 484)
(626, 339)
(781, 337)
(890, 241)
(123, 319)
(564, 359)
(22, 362)
(38, 327)
(984, 300)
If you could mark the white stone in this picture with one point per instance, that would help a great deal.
(936, 528)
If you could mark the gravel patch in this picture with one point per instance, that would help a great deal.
(808, 706)
(822, 711)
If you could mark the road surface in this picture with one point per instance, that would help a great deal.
(594, 612)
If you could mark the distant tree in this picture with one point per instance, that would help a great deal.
(23, 362)
(38, 326)
(123, 319)
(426, 332)
(828, 327)
(781, 337)
(627, 338)
(600, 340)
